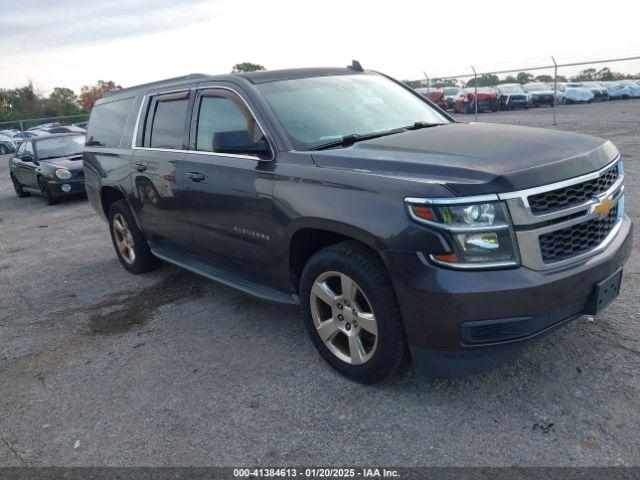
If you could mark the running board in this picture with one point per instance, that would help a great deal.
(193, 264)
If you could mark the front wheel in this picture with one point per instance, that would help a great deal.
(18, 187)
(131, 247)
(4, 149)
(351, 313)
(46, 193)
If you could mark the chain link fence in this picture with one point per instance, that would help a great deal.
(27, 123)
(553, 68)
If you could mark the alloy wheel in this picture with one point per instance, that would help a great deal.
(123, 238)
(344, 318)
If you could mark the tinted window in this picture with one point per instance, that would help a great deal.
(107, 123)
(168, 124)
(218, 114)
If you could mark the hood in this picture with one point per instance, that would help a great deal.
(541, 92)
(73, 162)
(475, 158)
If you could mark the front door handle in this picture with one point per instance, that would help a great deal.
(139, 167)
(195, 176)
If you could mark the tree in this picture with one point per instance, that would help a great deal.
(586, 75)
(524, 77)
(246, 67)
(544, 78)
(484, 81)
(62, 101)
(90, 95)
(444, 82)
(23, 102)
(509, 79)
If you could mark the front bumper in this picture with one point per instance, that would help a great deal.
(57, 189)
(438, 303)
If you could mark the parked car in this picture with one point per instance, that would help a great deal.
(43, 126)
(401, 233)
(540, 93)
(7, 145)
(511, 95)
(18, 138)
(50, 165)
(450, 94)
(64, 129)
(436, 95)
(487, 100)
(10, 132)
(634, 88)
(574, 93)
(617, 90)
(599, 91)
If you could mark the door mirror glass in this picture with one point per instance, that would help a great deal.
(239, 142)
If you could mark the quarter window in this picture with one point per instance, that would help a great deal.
(107, 123)
(167, 129)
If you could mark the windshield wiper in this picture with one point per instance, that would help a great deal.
(348, 140)
(419, 125)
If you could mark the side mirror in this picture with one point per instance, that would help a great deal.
(26, 158)
(239, 142)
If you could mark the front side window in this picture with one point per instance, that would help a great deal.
(167, 127)
(218, 115)
(314, 111)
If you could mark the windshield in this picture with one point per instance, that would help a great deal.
(314, 111)
(511, 89)
(60, 146)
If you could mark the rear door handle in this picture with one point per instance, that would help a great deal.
(195, 176)
(139, 167)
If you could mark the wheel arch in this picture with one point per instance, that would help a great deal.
(311, 236)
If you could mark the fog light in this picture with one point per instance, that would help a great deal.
(66, 187)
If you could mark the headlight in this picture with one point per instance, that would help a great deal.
(480, 233)
(63, 174)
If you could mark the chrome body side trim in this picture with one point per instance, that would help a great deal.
(200, 152)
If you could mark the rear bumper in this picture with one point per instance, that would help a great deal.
(440, 306)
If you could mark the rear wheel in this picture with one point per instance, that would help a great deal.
(351, 313)
(131, 247)
(46, 193)
(18, 187)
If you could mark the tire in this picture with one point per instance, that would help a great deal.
(18, 187)
(3, 150)
(354, 351)
(128, 241)
(46, 193)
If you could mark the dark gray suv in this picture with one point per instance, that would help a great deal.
(402, 234)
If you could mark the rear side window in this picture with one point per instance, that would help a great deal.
(168, 122)
(218, 114)
(107, 123)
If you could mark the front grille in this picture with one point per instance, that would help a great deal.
(577, 239)
(573, 195)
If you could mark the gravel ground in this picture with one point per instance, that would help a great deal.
(100, 367)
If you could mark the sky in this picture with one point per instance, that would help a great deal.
(73, 43)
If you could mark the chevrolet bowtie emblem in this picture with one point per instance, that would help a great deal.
(604, 207)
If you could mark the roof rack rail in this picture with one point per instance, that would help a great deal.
(183, 78)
